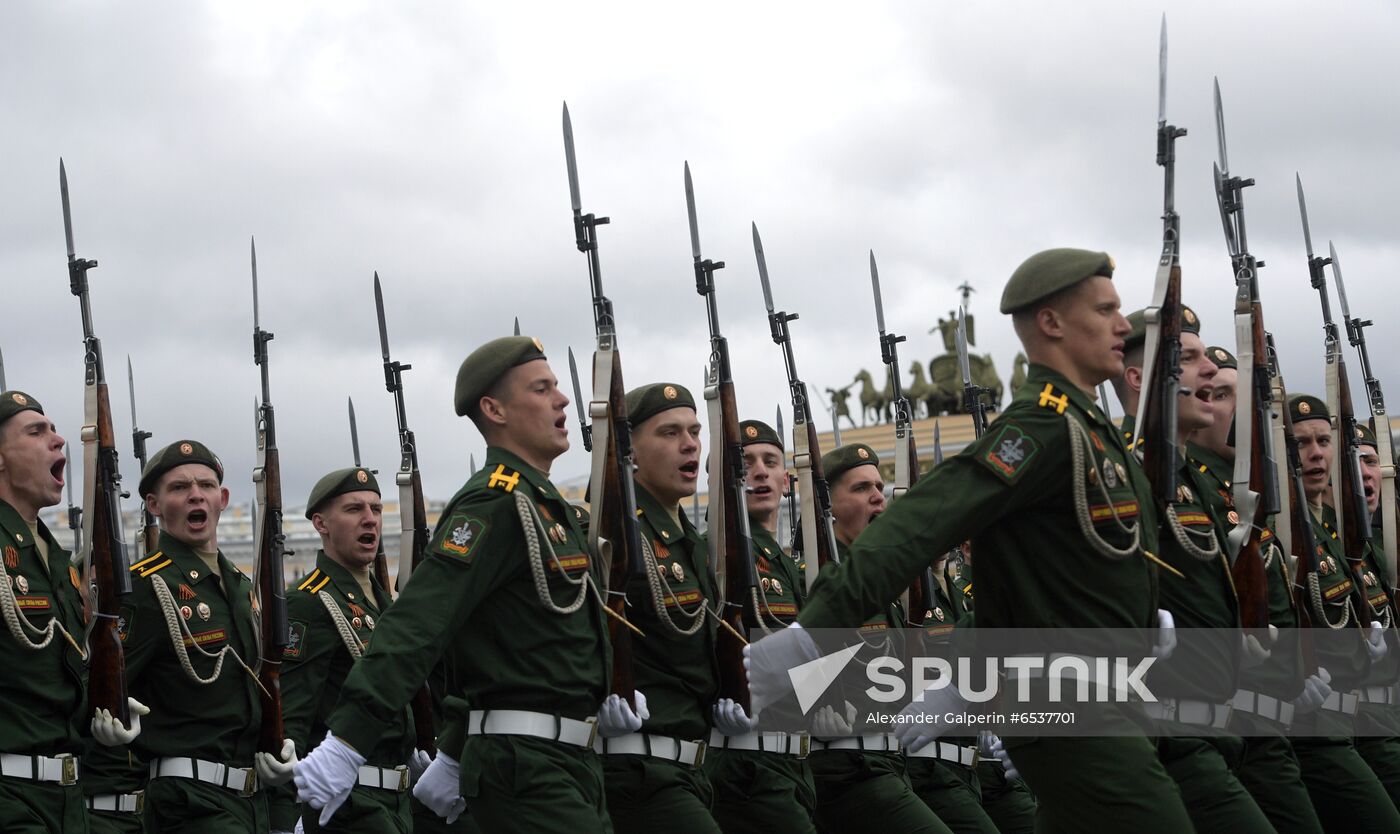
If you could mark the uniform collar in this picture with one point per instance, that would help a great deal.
(192, 568)
(15, 530)
(650, 510)
(1038, 376)
(765, 540)
(1213, 463)
(345, 582)
(504, 464)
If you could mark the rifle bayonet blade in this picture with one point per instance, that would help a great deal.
(569, 160)
(835, 427)
(1162, 74)
(937, 444)
(472, 461)
(690, 213)
(130, 389)
(578, 392)
(875, 285)
(779, 411)
(1303, 210)
(1337, 278)
(762, 268)
(68, 476)
(253, 254)
(1220, 130)
(379, 312)
(3, 387)
(67, 214)
(354, 430)
(517, 325)
(963, 363)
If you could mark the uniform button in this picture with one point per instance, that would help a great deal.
(352, 596)
(194, 574)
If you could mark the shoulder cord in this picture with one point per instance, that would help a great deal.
(179, 632)
(661, 589)
(18, 623)
(532, 525)
(1315, 595)
(1078, 448)
(1183, 537)
(347, 634)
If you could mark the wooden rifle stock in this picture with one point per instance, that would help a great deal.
(1247, 571)
(272, 619)
(107, 662)
(741, 572)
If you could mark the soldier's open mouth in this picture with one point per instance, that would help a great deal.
(691, 467)
(197, 517)
(760, 490)
(57, 470)
(368, 538)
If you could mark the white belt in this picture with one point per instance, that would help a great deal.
(782, 744)
(244, 780)
(1343, 702)
(1264, 706)
(127, 803)
(945, 751)
(690, 753)
(1189, 711)
(1376, 694)
(870, 743)
(384, 778)
(61, 769)
(516, 722)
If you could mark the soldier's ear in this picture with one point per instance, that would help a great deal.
(493, 411)
(1133, 377)
(223, 498)
(1048, 321)
(320, 524)
(151, 506)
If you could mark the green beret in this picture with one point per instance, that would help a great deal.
(757, 431)
(1222, 357)
(1365, 437)
(13, 402)
(1046, 273)
(1307, 407)
(843, 459)
(647, 401)
(339, 482)
(176, 454)
(1137, 320)
(487, 363)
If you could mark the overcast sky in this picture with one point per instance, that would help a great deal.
(422, 140)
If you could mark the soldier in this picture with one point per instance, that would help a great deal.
(509, 592)
(1272, 690)
(1197, 684)
(1044, 563)
(1377, 713)
(332, 614)
(1344, 790)
(653, 777)
(860, 774)
(762, 781)
(42, 688)
(190, 635)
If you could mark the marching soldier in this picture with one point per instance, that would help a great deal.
(763, 781)
(1044, 564)
(190, 636)
(1377, 712)
(332, 614)
(509, 592)
(1344, 790)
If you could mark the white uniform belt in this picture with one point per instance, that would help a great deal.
(691, 753)
(384, 778)
(126, 803)
(1343, 702)
(945, 751)
(243, 780)
(870, 742)
(782, 744)
(516, 722)
(62, 769)
(1264, 706)
(1189, 711)
(1376, 694)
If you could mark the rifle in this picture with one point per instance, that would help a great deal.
(381, 562)
(75, 514)
(1380, 424)
(818, 530)
(729, 537)
(1162, 348)
(107, 567)
(1296, 535)
(791, 482)
(906, 452)
(269, 545)
(973, 403)
(613, 535)
(1254, 484)
(1348, 495)
(149, 534)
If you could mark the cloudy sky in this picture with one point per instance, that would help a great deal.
(422, 140)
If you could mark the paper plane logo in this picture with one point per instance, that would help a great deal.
(813, 678)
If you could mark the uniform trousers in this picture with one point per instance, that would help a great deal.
(1009, 803)
(952, 792)
(366, 811)
(1272, 775)
(857, 790)
(761, 793)
(1378, 742)
(188, 806)
(30, 807)
(533, 786)
(1344, 790)
(647, 794)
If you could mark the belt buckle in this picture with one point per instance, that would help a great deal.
(403, 777)
(700, 747)
(592, 722)
(140, 801)
(804, 746)
(250, 782)
(69, 769)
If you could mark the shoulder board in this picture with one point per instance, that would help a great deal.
(1202, 468)
(151, 564)
(1053, 399)
(503, 478)
(314, 582)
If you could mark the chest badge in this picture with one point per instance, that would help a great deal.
(765, 584)
(22, 584)
(1110, 475)
(204, 612)
(1325, 566)
(938, 614)
(777, 585)
(186, 611)
(678, 571)
(1233, 516)
(369, 622)
(357, 622)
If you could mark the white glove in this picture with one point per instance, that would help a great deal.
(1256, 653)
(914, 734)
(276, 770)
(440, 788)
(324, 778)
(767, 661)
(828, 723)
(1375, 642)
(109, 731)
(1315, 691)
(730, 718)
(999, 751)
(616, 718)
(1166, 635)
(417, 763)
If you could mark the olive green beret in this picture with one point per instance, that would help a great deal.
(1307, 407)
(1365, 437)
(1222, 357)
(1046, 273)
(843, 459)
(176, 454)
(13, 402)
(1137, 320)
(339, 482)
(487, 363)
(647, 401)
(757, 431)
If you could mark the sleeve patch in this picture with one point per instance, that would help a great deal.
(459, 536)
(296, 641)
(125, 615)
(1010, 452)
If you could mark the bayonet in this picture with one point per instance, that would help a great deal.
(1162, 73)
(354, 431)
(75, 513)
(574, 200)
(471, 459)
(1103, 402)
(835, 427)
(517, 325)
(690, 214)
(879, 302)
(3, 386)
(1303, 212)
(584, 428)
(149, 532)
